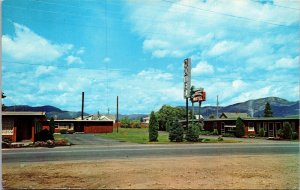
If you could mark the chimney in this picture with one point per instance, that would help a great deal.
(82, 105)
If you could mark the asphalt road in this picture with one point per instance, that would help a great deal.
(142, 151)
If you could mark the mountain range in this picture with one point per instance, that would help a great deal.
(255, 108)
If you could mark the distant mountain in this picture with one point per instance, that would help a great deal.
(51, 111)
(29, 108)
(255, 108)
(280, 108)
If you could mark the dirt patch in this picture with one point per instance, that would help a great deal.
(203, 172)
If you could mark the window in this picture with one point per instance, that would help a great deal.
(251, 126)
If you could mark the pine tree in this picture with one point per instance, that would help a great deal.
(239, 129)
(192, 134)
(153, 128)
(2, 97)
(51, 125)
(268, 111)
(176, 132)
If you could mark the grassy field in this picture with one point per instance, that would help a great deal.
(141, 136)
(135, 135)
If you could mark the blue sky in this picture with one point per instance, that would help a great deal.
(52, 50)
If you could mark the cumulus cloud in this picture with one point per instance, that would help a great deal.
(203, 68)
(286, 63)
(41, 70)
(154, 74)
(31, 47)
(73, 59)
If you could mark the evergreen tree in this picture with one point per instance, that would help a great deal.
(51, 125)
(287, 130)
(2, 97)
(153, 128)
(176, 132)
(240, 128)
(192, 134)
(268, 111)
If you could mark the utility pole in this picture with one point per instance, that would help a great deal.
(217, 106)
(117, 114)
(82, 105)
(199, 113)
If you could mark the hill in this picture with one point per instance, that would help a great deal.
(255, 108)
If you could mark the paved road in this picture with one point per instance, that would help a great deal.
(142, 151)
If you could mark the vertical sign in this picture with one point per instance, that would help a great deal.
(187, 78)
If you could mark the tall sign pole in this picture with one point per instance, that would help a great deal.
(117, 114)
(187, 86)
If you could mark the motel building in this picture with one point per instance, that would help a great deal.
(227, 123)
(24, 126)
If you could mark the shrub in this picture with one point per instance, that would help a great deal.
(220, 138)
(153, 128)
(176, 132)
(215, 132)
(192, 134)
(44, 135)
(295, 135)
(251, 135)
(287, 130)
(261, 132)
(280, 133)
(204, 133)
(239, 129)
(63, 131)
(70, 131)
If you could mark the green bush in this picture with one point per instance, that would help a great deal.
(287, 130)
(239, 129)
(220, 139)
(251, 135)
(295, 135)
(204, 133)
(261, 132)
(63, 131)
(215, 132)
(176, 132)
(153, 128)
(70, 131)
(192, 134)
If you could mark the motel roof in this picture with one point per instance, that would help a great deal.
(23, 113)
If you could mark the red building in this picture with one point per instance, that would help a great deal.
(20, 126)
(252, 125)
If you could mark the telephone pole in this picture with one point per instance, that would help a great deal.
(117, 121)
(217, 106)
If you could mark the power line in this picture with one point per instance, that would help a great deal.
(277, 5)
(226, 14)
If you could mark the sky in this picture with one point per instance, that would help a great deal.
(53, 50)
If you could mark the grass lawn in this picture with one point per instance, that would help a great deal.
(58, 137)
(135, 135)
(141, 136)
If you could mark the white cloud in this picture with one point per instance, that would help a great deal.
(41, 70)
(73, 59)
(154, 74)
(222, 48)
(286, 63)
(31, 47)
(81, 51)
(203, 68)
(238, 84)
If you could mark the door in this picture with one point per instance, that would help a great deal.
(271, 130)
